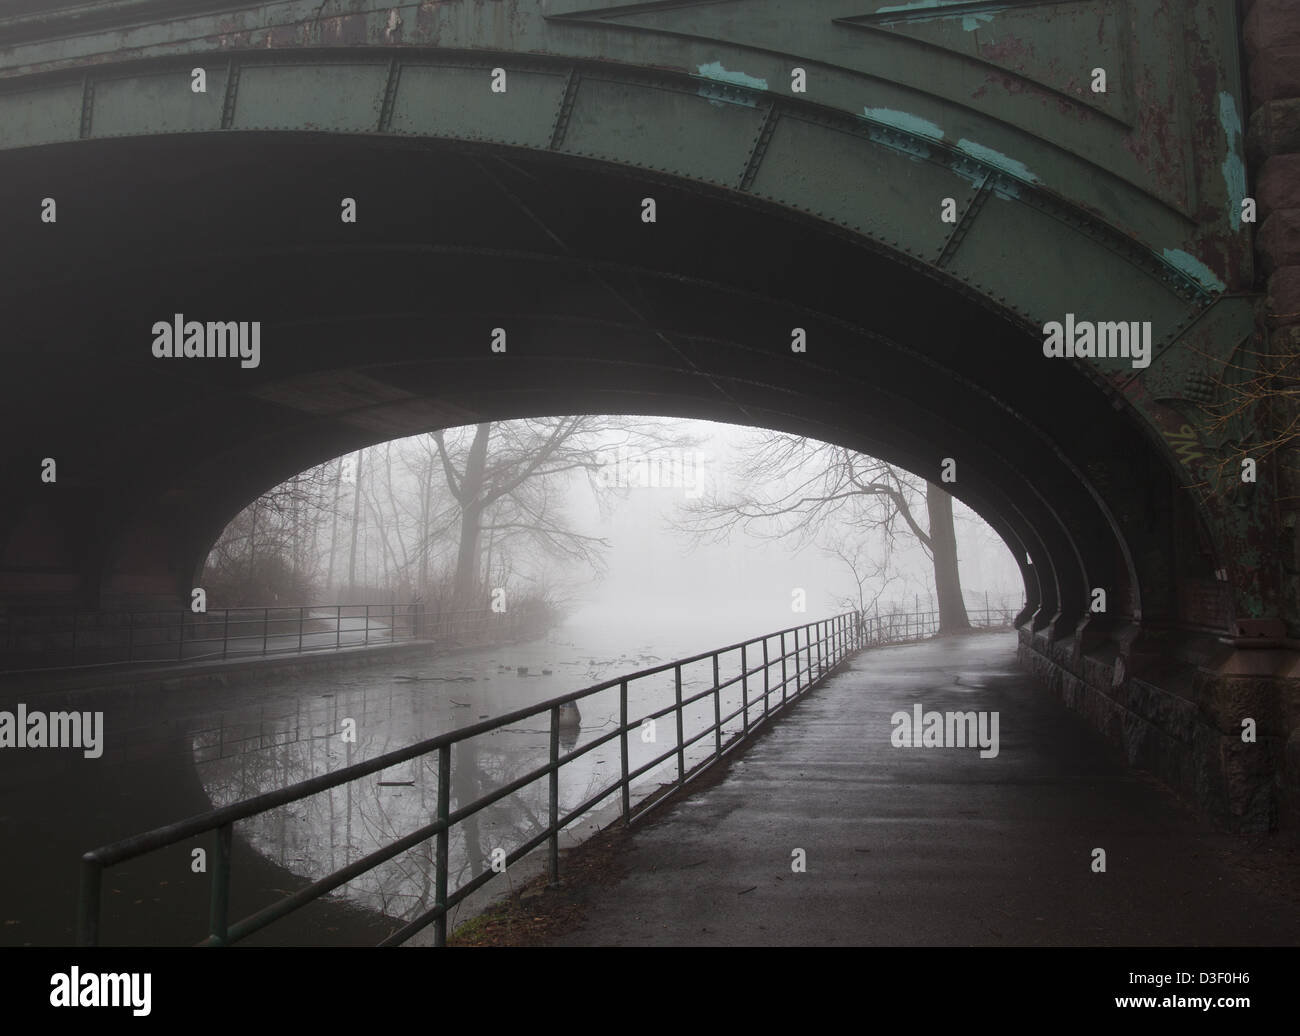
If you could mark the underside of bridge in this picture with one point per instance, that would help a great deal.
(778, 216)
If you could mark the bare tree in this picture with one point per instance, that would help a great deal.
(793, 486)
(1252, 410)
(871, 576)
(505, 480)
(267, 552)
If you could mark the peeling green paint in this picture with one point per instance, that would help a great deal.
(714, 70)
(903, 121)
(969, 22)
(1194, 268)
(998, 160)
(1234, 169)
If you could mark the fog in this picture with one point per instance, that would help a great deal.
(604, 533)
(658, 577)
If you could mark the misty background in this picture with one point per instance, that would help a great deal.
(601, 530)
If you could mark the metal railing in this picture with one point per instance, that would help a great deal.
(102, 638)
(793, 661)
(900, 627)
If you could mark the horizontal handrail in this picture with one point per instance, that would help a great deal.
(30, 643)
(825, 644)
(169, 834)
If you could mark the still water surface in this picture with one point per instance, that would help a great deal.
(296, 733)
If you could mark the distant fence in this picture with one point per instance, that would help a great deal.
(900, 627)
(100, 638)
(773, 670)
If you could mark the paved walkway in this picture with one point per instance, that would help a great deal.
(933, 846)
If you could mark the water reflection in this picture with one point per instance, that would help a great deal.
(244, 752)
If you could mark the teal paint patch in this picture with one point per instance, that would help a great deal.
(1234, 169)
(997, 160)
(714, 70)
(969, 22)
(1194, 268)
(903, 121)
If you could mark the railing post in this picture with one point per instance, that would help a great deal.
(820, 636)
(367, 640)
(744, 686)
(767, 683)
(338, 626)
(681, 748)
(798, 685)
(88, 914)
(266, 628)
(717, 710)
(440, 845)
(554, 863)
(225, 634)
(219, 912)
(622, 722)
(783, 670)
(302, 615)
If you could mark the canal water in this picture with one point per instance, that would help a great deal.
(191, 751)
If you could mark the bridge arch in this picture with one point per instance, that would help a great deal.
(381, 328)
(776, 209)
(1072, 214)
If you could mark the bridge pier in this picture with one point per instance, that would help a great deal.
(1174, 703)
(74, 552)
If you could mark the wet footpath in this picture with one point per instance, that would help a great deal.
(826, 832)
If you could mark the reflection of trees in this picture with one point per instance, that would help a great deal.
(467, 784)
(320, 834)
(245, 754)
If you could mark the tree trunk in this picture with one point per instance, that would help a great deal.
(356, 522)
(943, 546)
(465, 595)
(426, 483)
(334, 527)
